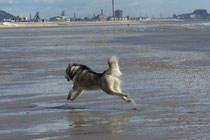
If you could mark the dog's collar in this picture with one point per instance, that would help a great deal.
(71, 75)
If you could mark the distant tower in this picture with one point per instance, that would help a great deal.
(63, 13)
(113, 12)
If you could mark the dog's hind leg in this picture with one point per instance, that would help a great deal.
(111, 91)
(118, 89)
(77, 94)
(110, 87)
(123, 97)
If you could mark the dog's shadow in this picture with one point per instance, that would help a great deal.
(67, 107)
(59, 107)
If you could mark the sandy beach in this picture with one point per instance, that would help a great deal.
(50, 24)
(165, 66)
(9, 25)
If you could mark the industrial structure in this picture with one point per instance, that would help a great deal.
(36, 17)
(200, 14)
(119, 13)
(62, 17)
(113, 11)
(102, 16)
(116, 15)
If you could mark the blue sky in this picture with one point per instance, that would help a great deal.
(86, 8)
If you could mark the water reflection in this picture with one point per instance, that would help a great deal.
(95, 122)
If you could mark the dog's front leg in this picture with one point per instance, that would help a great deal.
(126, 99)
(71, 92)
(77, 94)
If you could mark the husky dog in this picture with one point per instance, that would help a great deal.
(86, 79)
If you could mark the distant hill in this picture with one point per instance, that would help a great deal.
(5, 15)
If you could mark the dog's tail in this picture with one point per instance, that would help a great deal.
(114, 69)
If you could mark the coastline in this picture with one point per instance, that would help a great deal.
(9, 25)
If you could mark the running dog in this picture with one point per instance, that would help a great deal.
(86, 79)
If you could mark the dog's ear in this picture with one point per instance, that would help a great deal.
(70, 65)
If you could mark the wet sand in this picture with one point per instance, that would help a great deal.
(166, 70)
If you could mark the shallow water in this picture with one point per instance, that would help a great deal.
(166, 70)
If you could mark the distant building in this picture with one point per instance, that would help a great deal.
(128, 17)
(101, 17)
(62, 17)
(58, 18)
(143, 19)
(116, 19)
(184, 16)
(21, 19)
(119, 13)
(111, 18)
(200, 14)
(118, 16)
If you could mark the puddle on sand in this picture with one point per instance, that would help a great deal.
(48, 127)
(52, 127)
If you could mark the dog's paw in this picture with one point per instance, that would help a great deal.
(128, 100)
(69, 97)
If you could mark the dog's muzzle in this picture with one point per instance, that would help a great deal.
(67, 77)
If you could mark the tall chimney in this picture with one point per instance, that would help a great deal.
(113, 13)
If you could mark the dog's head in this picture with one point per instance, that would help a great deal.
(71, 71)
(68, 72)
